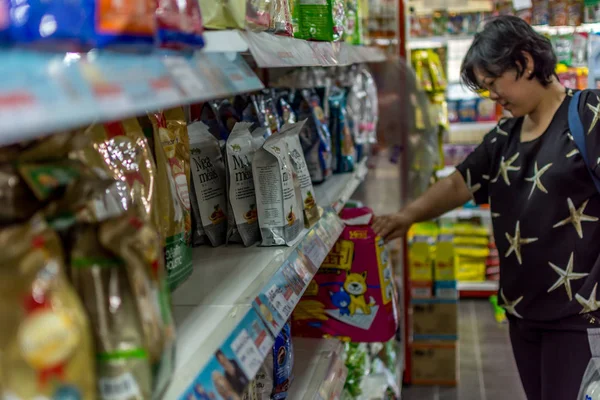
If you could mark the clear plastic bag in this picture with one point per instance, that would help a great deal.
(590, 384)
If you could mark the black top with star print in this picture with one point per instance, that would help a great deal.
(545, 210)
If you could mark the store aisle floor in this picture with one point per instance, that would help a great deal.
(487, 367)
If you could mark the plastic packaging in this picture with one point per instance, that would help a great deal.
(284, 108)
(242, 212)
(309, 203)
(315, 137)
(353, 295)
(45, 329)
(344, 153)
(179, 25)
(323, 20)
(281, 17)
(223, 14)
(280, 217)
(209, 181)
(172, 152)
(275, 375)
(78, 26)
(258, 14)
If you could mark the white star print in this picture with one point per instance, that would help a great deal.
(596, 111)
(505, 168)
(536, 178)
(577, 217)
(570, 137)
(494, 140)
(509, 306)
(516, 242)
(472, 188)
(572, 153)
(590, 304)
(494, 215)
(565, 277)
(570, 92)
(501, 131)
(487, 177)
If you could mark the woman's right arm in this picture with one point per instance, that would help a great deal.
(445, 195)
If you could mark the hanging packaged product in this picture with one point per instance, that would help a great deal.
(354, 28)
(420, 64)
(249, 108)
(138, 244)
(227, 115)
(242, 213)
(179, 25)
(78, 26)
(223, 14)
(275, 375)
(352, 295)
(258, 14)
(291, 133)
(172, 153)
(123, 361)
(209, 115)
(267, 105)
(315, 137)
(438, 77)
(344, 153)
(563, 48)
(209, 182)
(121, 150)
(284, 108)
(279, 215)
(281, 17)
(322, 20)
(46, 340)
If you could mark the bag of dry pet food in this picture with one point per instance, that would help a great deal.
(46, 341)
(139, 245)
(172, 153)
(280, 215)
(242, 213)
(209, 182)
(123, 360)
(309, 203)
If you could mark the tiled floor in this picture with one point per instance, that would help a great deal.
(487, 368)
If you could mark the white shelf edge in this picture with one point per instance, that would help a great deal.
(478, 286)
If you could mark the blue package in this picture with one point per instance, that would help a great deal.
(314, 137)
(283, 362)
(80, 25)
(4, 21)
(343, 150)
(179, 25)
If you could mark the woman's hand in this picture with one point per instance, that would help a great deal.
(392, 226)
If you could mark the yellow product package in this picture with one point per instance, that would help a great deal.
(223, 14)
(46, 342)
(121, 150)
(122, 359)
(172, 154)
(139, 245)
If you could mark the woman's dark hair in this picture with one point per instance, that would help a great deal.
(499, 47)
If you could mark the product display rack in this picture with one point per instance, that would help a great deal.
(51, 92)
(235, 300)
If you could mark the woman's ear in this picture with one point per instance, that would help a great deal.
(529, 65)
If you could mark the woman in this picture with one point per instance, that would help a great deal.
(544, 205)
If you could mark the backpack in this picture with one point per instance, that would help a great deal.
(578, 132)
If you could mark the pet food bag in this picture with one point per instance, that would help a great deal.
(322, 20)
(209, 182)
(242, 212)
(46, 341)
(352, 295)
(179, 25)
(223, 14)
(280, 215)
(258, 14)
(309, 203)
(275, 375)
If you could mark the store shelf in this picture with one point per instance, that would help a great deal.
(238, 298)
(339, 188)
(477, 289)
(272, 51)
(50, 92)
(469, 132)
(433, 42)
(319, 371)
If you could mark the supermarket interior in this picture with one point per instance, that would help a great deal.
(187, 191)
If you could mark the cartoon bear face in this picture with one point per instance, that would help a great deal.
(356, 284)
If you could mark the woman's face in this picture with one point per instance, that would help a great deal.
(516, 95)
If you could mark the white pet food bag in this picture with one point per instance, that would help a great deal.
(590, 384)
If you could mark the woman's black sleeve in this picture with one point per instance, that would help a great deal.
(475, 170)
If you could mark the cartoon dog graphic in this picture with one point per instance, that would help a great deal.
(341, 300)
(356, 286)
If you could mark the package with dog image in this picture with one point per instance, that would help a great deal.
(352, 295)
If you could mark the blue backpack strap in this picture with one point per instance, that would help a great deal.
(578, 132)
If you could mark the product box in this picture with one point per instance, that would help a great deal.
(421, 289)
(434, 363)
(486, 110)
(446, 290)
(434, 319)
(444, 267)
(420, 259)
(467, 110)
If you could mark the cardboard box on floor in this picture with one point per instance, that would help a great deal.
(434, 319)
(434, 363)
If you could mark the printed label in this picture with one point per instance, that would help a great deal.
(122, 387)
(283, 300)
(182, 190)
(241, 185)
(247, 353)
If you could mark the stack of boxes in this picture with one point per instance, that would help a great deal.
(434, 306)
